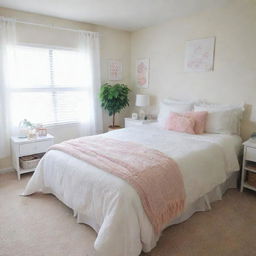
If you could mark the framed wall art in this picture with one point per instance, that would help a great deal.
(199, 55)
(115, 70)
(142, 73)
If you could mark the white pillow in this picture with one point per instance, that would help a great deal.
(174, 101)
(224, 119)
(165, 110)
(220, 107)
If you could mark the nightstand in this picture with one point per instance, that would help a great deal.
(249, 164)
(129, 122)
(25, 147)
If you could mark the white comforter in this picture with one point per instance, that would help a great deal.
(111, 206)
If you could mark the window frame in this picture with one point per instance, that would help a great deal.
(52, 88)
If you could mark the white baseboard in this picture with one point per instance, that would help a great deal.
(5, 170)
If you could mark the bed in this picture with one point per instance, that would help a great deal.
(208, 163)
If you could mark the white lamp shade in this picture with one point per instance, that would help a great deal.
(142, 100)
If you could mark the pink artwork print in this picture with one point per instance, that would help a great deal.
(142, 70)
(199, 55)
(115, 70)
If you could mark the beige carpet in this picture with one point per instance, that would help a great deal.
(40, 225)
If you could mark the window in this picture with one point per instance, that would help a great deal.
(49, 86)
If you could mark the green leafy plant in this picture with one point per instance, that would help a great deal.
(114, 98)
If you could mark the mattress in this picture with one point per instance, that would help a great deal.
(112, 207)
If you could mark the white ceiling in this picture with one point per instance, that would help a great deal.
(124, 14)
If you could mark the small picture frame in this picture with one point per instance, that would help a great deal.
(134, 116)
(42, 132)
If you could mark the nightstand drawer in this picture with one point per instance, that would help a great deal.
(250, 154)
(34, 148)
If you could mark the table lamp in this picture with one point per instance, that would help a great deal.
(142, 100)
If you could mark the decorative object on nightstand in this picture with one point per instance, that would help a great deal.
(41, 130)
(253, 137)
(134, 116)
(31, 131)
(248, 179)
(129, 122)
(142, 100)
(26, 153)
(114, 98)
(24, 128)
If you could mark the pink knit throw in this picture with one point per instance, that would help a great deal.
(155, 176)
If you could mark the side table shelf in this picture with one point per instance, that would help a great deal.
(24, 147)
(248, 178)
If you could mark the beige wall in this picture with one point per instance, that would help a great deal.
(232, 81)
(115, 44)
(234, 77)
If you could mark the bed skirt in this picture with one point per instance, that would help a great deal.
(202, 204)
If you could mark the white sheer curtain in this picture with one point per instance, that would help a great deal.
(91, 123)
(91, 117)
(7, 57)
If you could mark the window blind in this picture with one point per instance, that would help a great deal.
(49, 86)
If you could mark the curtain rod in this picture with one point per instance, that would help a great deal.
(53, 26)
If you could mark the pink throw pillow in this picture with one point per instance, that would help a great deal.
(180, 123)
(200, 118)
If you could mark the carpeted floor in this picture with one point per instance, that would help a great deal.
(40, 225)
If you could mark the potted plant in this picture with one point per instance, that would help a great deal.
(114, 98)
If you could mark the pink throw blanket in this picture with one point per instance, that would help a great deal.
(155, 176)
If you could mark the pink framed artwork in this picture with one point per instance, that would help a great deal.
(199, 55)
(142, 73)
(115, 70)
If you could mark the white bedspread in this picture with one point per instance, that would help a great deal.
(111, 206)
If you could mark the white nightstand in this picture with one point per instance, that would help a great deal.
(249, 157)
(24, 147)
(133, 122)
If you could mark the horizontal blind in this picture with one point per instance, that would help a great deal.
(50, 86)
